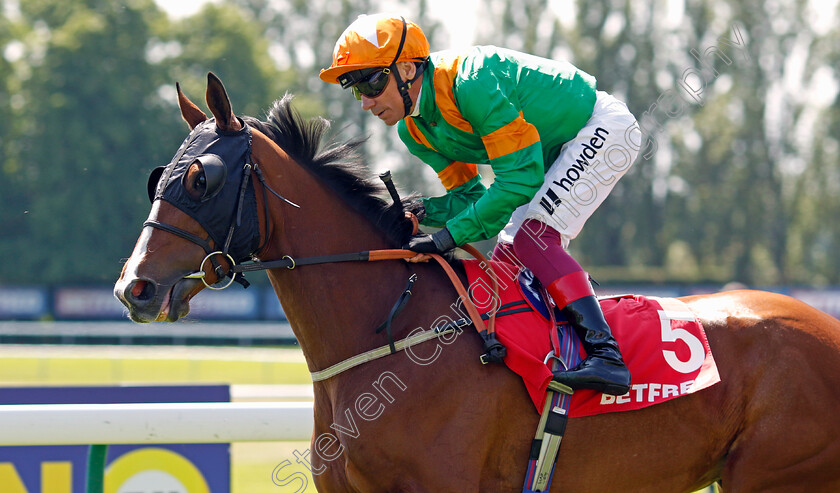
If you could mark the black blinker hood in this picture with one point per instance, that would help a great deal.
(218, 213)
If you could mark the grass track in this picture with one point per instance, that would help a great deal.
(107, 365)
(252, 463)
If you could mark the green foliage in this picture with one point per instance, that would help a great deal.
(742, 184)
(222, 39)
(88, 111)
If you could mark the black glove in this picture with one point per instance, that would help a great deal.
(439, 242)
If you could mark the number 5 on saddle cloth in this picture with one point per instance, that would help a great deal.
(664, 344)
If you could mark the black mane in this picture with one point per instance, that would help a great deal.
(339, 165)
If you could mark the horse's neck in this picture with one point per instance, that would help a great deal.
(333, 308)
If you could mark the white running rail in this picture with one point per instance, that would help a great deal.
(202, 422)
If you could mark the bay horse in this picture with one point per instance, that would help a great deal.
(440, 420)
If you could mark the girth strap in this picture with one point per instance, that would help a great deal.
(552, 426)
(494, 351)
(511, 308)
(423, 336)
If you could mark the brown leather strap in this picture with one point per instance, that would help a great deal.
(462, 292)
(486, 265)
(423, 335)
(472, 311)
(415, 223)
(395, 254)
(390, 255)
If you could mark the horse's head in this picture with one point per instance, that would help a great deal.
(203, 216)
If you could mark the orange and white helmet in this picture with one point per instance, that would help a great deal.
(377, 40)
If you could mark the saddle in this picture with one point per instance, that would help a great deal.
(663, 344)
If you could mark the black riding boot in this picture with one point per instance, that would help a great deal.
(603, 369)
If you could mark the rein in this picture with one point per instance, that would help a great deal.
(495, 352)
(290, 263)
(247, 169)
(486, 332)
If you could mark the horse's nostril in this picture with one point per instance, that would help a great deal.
(142, 290)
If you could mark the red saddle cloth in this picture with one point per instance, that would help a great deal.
(661, 340)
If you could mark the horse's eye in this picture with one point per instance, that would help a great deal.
(201, 182)
(205, 177)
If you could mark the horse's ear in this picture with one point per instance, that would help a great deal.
(219, 104)
(189, 111)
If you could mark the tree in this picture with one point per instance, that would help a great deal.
(12, 194)
(814, 237)
(738, 178)
(99, 112)
(738, 164)
(228, 40)
(743, 176)
(94, 129)
(615, 41)
(302, 35)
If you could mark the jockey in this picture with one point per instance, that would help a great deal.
(556, 145)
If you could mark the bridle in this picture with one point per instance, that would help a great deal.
(212, 254)
(236, 272)
(494, 350)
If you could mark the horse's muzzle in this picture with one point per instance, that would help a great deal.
(148, 301)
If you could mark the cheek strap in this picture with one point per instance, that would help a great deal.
(405, 86)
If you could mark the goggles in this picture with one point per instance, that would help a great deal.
(369, 84)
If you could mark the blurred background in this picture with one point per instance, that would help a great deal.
(738, 178)
(737, 184)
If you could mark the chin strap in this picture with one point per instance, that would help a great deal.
(404, 86)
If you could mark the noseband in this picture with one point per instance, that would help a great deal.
(172, 189)
(205, 244)
(164, 188)
(163, 185)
